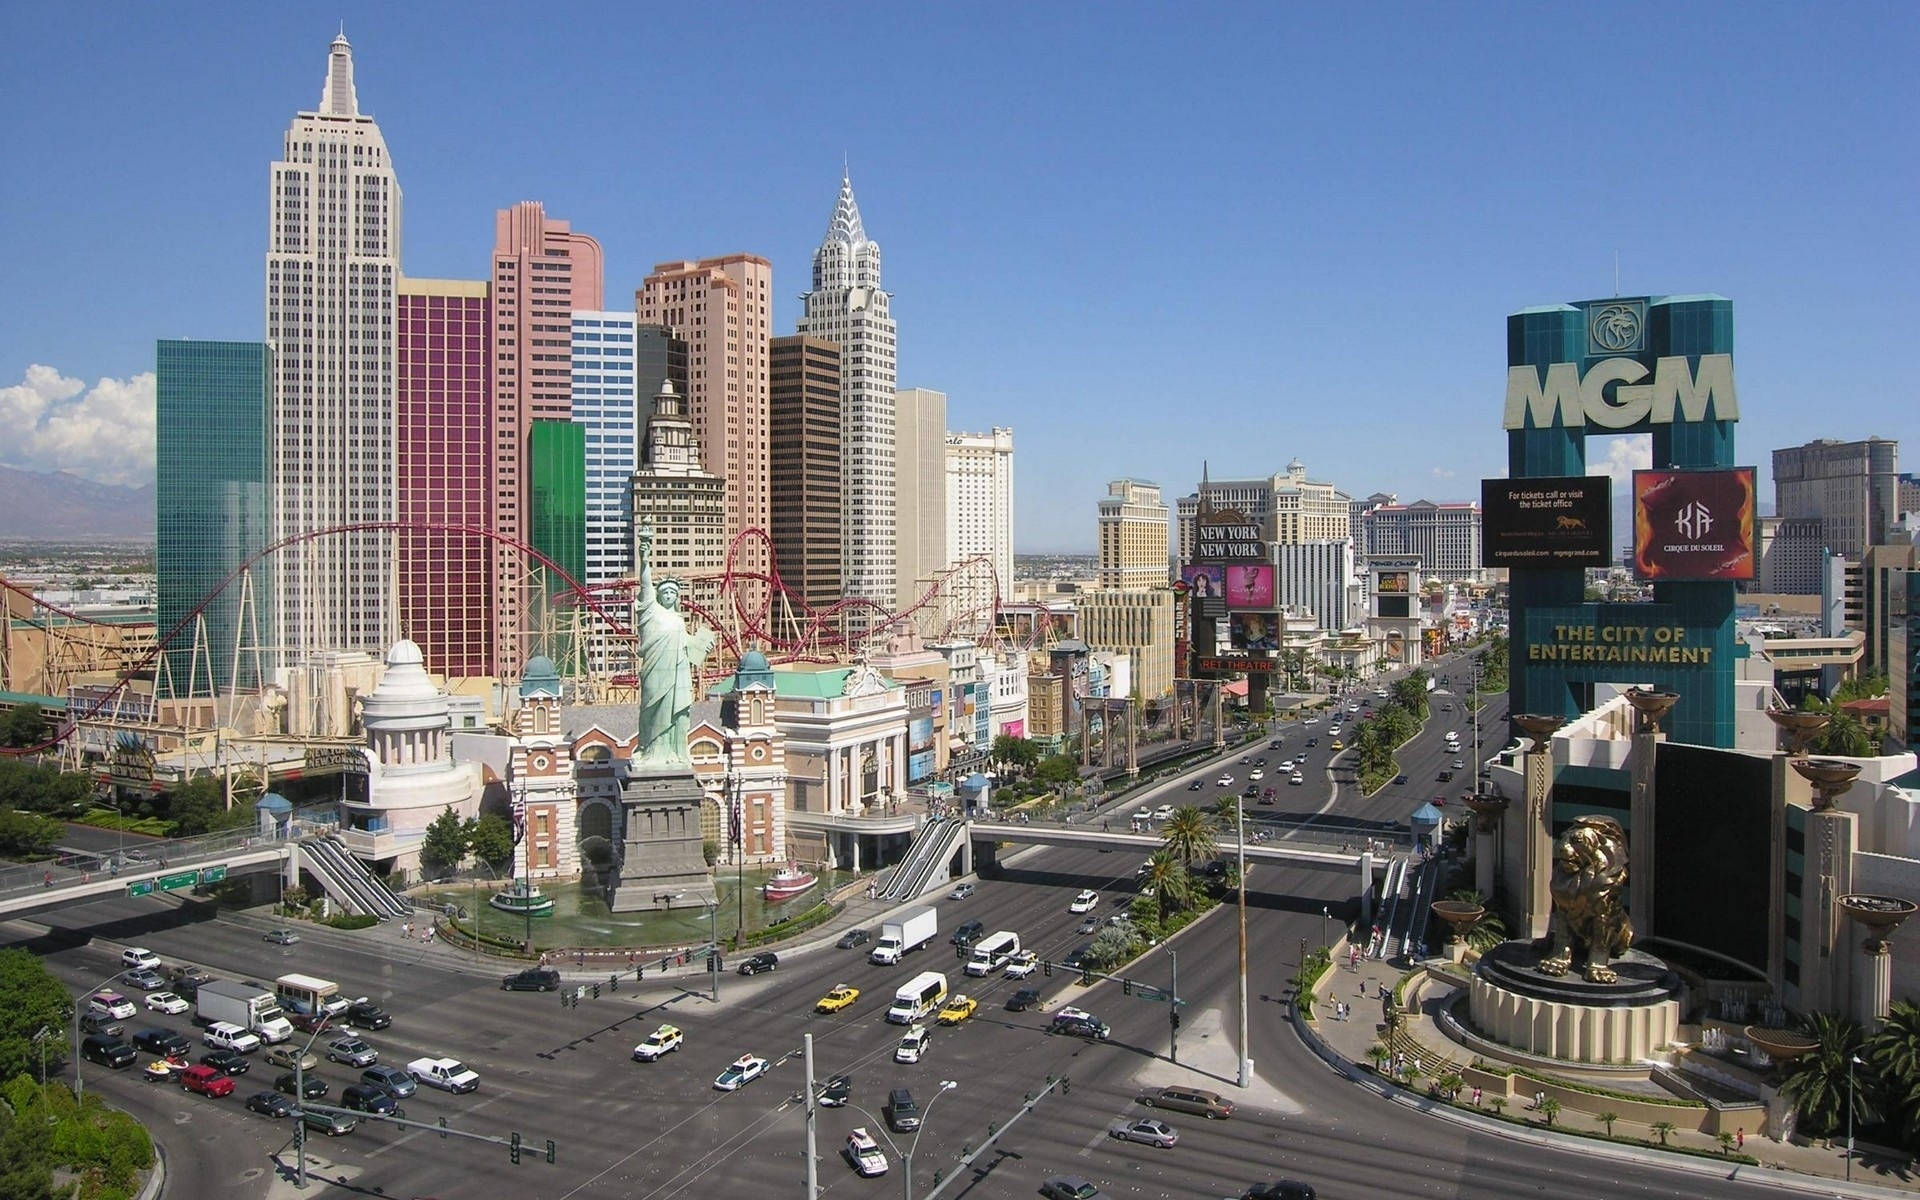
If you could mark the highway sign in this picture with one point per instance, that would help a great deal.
(143, 888)
(213, 874)
(178, 880)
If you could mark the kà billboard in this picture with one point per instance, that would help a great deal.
(1561, 521)
(1694, 525)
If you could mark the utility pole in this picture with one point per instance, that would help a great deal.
(1173, 1007)
(1240, 832)
(813, 1118)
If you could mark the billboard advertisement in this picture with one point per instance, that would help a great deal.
(1254, 631)
(919, 733)
(919, 766)
(1016, 729)
(1694, 525)
(1394, 606)
(1227, 535)
(1562, 521)
(1400, 582)
(1204, 582)
(1250, 586)
(1213, 662)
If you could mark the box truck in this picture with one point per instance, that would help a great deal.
(242, 1004)
(911, 930)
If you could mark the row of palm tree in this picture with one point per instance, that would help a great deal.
(1882, 1088)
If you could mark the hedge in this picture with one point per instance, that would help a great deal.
(819, 914)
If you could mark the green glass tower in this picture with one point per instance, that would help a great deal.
(557, 486)
(210, 485)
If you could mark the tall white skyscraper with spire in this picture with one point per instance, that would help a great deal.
(333, 258)
(848, 306)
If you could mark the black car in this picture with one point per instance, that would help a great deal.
(1281, 1189)
(225, 1061)
(968, 933)
(316, 1087)
(107, 1051)
(184, 975)
(1445, 777)
(366, 1097)
(1195, 786)
(1023, 999)
(766, 960)
(163, 1042)
(1077, 958)
(270, 1104)
(1312, 742)
(533, 979)
(852, 938)
(838, 1089)
(367, 1015)
(1399, 778)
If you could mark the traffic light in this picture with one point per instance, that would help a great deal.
(959, 951)
(563, 997)
(1174, 1016)
(550, 1149)
(1126, 987)
(513, 1150)
(596, 991)
(1048, 968)
(1086, 976)
(639, 973)
(1066, 1085)
(613, 982)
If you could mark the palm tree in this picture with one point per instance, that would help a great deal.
(1225, 811)
(1607, 1119)
(1378, 1054)
(1818, 1083)
(1663, 1128)
(1726, 1142)
(1167, 876)
(1550, 1108)
(1498, 1104)
(1844, 737)
(1188, 836)
(1894, 1052)
(1449, 1083)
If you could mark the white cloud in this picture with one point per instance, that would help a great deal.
(1625, 455)
(1442, 473)
(103, 433)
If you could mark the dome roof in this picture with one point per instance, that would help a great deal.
(754, 671)
(406, 679)
(541, 678)
(405, 652)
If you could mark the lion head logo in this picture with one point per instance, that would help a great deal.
(1589, 888)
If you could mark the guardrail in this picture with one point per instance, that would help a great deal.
(150, 859)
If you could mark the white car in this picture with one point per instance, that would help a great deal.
(225, 1035)
(1084, 902)
(658, 1044)
(864, 1153)
(167, 1002)
(1286, 764)
(1143, 813)
(1022, 964)
(139, 958)
(1224, 781)
(962, 892)
(1163, 813)
(912, 1045)
(112, 1004)
(744, 1070)
(1296, 779)
(1256, 773)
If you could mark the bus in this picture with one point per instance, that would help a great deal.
(991, 953)
(917, 998)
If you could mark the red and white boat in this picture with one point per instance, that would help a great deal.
(789, 882)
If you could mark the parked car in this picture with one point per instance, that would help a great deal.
(281, 937)
(207, 1081)
(365, 1097)
(753, 964)
(270, 1104)
(533, 979)
(393, 1079)
(852, 938)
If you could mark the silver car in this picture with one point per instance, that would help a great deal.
(1148, 1132)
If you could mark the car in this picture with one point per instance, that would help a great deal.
(1224, 781)
(1090, 925)
(224, 1035)
(1079, 1023)
(1163, 813)
(100, 1023)
(1256, 773)
(852, 938)
(227, 1062)
(1261, 761)
(658, 1044)
(1398, 779)
(352, 1051)
(281, 937)
(393, 1079)
(968, 933)
(1338, 744)
(840, 997)
(111, 1004)
(207, 1081)
(837, 1092)
(1023, 999)
(1195, 786)
(1286, 764)
(140, 958)
(146, 981)
(270, 1104)
(167, 1002)
(1197, 1101)
(533, 979)
(186, 975)
(1022, 964)
(1274, 744)
(312, 1022)
(754, 964)
(1444, 777)
(1446, 708)
(901, 1111)
(315, 1087)
(164, 1042)
(1084, 902)
(290, 1057)
(1459, 764)
(1280, 1189)
(1070, 1187)
(1312, 742)
(1267, 796)
(958, 1008)
(331, 1124)
(1296, 779)
(740, 1072)
(864, 1153)
(1147, 1132)
(961, 893)
(1244, 760)
(365, 1097)
(913, 1045)
(107, 1051)
(365, 1014)
(1076, 958)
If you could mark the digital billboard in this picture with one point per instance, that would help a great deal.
(1394, 606)
(1560, 521)
(1694, 525)
(1250, 586)
(1394, 581)
(1204, 582)
(1254, 631)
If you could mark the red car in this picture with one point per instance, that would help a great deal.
(206, 1080)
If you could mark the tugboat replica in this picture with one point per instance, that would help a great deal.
(522, 899)
(787, 883)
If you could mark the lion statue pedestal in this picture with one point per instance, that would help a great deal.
(1582, 994)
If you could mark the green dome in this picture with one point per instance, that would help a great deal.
(753, 670)
(541, 678)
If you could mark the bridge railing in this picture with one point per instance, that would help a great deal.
(145, 859)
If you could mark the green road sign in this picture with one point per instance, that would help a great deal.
(213, 874)
(142, 888)
(178, 880)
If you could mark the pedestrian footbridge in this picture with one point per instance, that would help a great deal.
(1363, 862)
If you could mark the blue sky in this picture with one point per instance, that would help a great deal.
(1141, 235)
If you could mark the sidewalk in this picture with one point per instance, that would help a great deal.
(1349, 1040)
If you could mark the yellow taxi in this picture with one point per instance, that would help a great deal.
(837, 999)
(957, 1009)
(1338, 745)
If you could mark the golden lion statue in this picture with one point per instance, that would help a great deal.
(1589, 889)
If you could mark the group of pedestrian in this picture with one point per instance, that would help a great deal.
(1342, 1010)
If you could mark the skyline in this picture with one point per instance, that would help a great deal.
(1043, 219)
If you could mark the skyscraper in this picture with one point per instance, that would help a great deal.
(542, 272)
(805, 445)
(848, 306)
(210, 498)
(333, 259)
(980, 501)
(606, 404)
(443, 471)
(920, 492)
(1854, 487)
(1133, 537)
(683, 502)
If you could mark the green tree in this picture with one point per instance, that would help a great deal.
(200, 806)
(1894, 1052)
(1818, 1082)
(23, 726)
(1844, 737)
(1726, 1142)
(445, 843)
(1550, 1108)
(1608, 1118)
(1057, 769)
(1226, 811)
(1111, 946)
(1866, 687)
(1188, 835)
(1168, 877)
(28, 835)
(31, 999)
(33, 787)
(1663, 1130)
(490, 839)
(1018, 754)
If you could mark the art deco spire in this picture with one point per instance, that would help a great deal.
(845, 225)
(337, 98)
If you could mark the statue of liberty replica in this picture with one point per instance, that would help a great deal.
(662, 864)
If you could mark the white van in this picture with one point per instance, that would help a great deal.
(993, 952)
(918, 998)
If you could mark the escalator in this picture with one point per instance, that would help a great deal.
(348, 881)
(927, 859)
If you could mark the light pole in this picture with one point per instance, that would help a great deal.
(1853, 1060)
(712, 917)
(1240, 878)
(1173, 1005)
(1326, 933)
(79, 1008)
(946, 1085)
(300, 1103)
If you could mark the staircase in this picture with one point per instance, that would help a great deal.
(348, 881)
(932, 849)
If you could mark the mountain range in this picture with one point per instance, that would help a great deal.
(61, 506)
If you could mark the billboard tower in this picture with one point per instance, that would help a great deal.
(1661, 365)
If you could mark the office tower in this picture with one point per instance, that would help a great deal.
(1444, 537)
(333, 258)
(1791, 553)
(847, 306)
(1133, 537)
(210, 500)
(606, 405)
(723, 308)
(543, 272)
(804, 467)
(920, 493)
(557, 501)
(1315, 576)
(1907, 494)
(443, 467)
(683, 502)
(1854, 487)
(980, 503)
(1137, 622)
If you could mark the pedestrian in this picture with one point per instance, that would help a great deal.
(1539, 1100)
(406, 929)
(1740, 1138)
(47, 879)
(1476, 1097)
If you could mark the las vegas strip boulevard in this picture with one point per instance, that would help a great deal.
(1562, 521)
(1693, 524)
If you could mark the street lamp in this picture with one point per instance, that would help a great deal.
(79, 1008)
(300, 1103)
(906, 1156)
(1853, 1061)
(713, 934)
(1326, 933)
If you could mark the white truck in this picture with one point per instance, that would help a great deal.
(249, 1007)
(913, 929)
(447, 1074)
(993, 952)
(306, 994)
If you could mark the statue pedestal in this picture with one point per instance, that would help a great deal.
(1565, 1017)
(662, 863)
